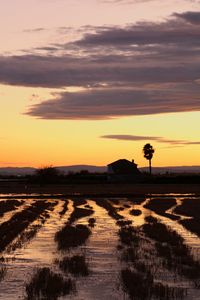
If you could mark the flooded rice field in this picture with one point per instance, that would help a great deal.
(100, 248)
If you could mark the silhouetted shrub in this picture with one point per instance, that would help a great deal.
(163, 291)
(141, 285)
(130, 254)
(47, 175)
(122, 223)
(136, 284)
(135, 212)
(2, 272)
(128, 235)
(47, 285)
(91, 222)
(72, 236)
(75, 265)
(80, 213)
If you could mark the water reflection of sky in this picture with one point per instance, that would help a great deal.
(100, 250)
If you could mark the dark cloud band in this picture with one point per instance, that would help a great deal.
(137, 138)
(109, 103)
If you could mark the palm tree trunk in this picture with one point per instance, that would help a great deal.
(150, 166)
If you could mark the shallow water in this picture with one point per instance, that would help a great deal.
(100, 251)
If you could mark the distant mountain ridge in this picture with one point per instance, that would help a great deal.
(20, 171)
(9, 171)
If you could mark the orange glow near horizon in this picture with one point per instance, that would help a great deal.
(26, 141)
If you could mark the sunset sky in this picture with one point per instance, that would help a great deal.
(89, 82)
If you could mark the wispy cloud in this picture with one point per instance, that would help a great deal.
(136, 138)
(35, 30)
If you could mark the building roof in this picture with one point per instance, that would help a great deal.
(124, 166)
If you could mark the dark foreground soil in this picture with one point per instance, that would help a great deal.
(99, 189)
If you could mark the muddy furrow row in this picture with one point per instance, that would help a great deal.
(190, 208)
(10, 229)
(171, 247)
(9, 205)
(49, 284)
(139, 279)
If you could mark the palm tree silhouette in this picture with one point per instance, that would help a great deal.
(148, 154)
